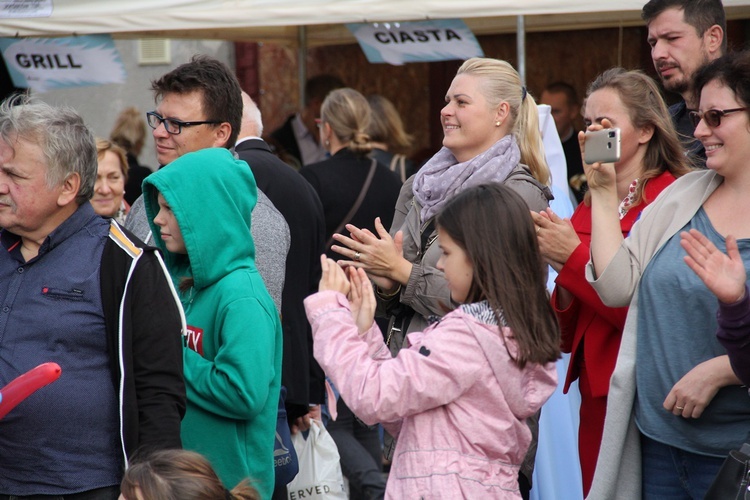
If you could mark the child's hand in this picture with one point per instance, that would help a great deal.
(333, 277)
(361, 299)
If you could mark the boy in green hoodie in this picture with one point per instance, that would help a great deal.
(199, 209)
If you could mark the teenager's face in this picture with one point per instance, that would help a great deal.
(170, 230)
(456, 266)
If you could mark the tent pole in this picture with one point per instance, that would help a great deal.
(521, 47)
(302, 64)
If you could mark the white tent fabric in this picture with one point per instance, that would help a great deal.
(276, 20)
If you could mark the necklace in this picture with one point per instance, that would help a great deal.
(627, 202)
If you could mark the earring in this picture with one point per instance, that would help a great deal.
(328, 143)
(498, 123)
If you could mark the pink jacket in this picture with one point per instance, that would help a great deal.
(457, 398)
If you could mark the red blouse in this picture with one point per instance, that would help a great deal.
(591, 330)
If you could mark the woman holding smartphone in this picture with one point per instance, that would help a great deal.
(650, 159)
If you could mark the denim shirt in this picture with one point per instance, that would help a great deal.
(64, 438)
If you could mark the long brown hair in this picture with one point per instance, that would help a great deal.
(492, 224)
(179, 475)
(641, 97)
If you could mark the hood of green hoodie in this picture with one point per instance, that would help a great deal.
(212, 196)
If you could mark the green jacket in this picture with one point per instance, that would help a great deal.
(233, 386)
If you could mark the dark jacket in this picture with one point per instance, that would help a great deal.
(285, 143)
(338, 182)
(136, 174)
(298, 202)
(734, 334)
(144, 342)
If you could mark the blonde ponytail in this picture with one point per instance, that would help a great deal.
(348, 114)
(526, 130)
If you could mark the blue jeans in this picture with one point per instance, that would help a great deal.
(670, 473)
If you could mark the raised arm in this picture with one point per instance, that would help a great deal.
(723, 274)
(606, 235)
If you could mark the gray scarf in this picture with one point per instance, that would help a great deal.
(442, 177)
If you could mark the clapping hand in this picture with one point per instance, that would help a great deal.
(723, 274)
(333, 277)
(361, 299)
(556, 236)
(376, 253)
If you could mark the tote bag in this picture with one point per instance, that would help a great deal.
(319, 474)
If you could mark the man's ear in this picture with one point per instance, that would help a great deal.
(221, 134)
(69, 189)
(713, 38)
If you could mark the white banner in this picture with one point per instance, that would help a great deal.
(10, 9)
(420, 41)
(52, 63)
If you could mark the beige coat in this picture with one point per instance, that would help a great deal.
(618, 469)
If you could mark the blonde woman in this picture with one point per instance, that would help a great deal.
(355, 189)
(129, 132)
(491, 135)
(390, 142)
(111, 177)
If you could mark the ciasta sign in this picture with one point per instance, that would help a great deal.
(52, 63)
(401, 42)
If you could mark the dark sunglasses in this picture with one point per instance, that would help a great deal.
(172, 125)
(712, 117)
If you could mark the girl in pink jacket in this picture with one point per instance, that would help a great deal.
(458, 396)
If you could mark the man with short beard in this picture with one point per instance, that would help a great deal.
(684, 35)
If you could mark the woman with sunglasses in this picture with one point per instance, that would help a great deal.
(652, 158)
(671, 422)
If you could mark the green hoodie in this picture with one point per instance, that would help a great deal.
(233, 387)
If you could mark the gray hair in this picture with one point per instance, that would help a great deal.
(66, 143)
(251, 114)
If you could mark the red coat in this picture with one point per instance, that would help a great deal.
(589, 328)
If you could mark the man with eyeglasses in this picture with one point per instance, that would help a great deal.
(199, 105)
(684, 35)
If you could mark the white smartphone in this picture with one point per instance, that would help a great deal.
(602, 146)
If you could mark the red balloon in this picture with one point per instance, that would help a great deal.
(24, 385)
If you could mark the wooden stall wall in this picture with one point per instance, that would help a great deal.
(418, 90)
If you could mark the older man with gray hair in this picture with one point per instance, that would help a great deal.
(79, 291)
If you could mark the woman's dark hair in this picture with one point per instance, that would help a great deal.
(220, 90)
(492, 224)
(179, 475)
(731, 70)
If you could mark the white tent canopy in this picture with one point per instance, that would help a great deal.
(277, 20)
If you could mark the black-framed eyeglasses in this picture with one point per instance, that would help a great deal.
(712, 117)
(171, 125)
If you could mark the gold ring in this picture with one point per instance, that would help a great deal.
(679, 407)
(357, 256)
